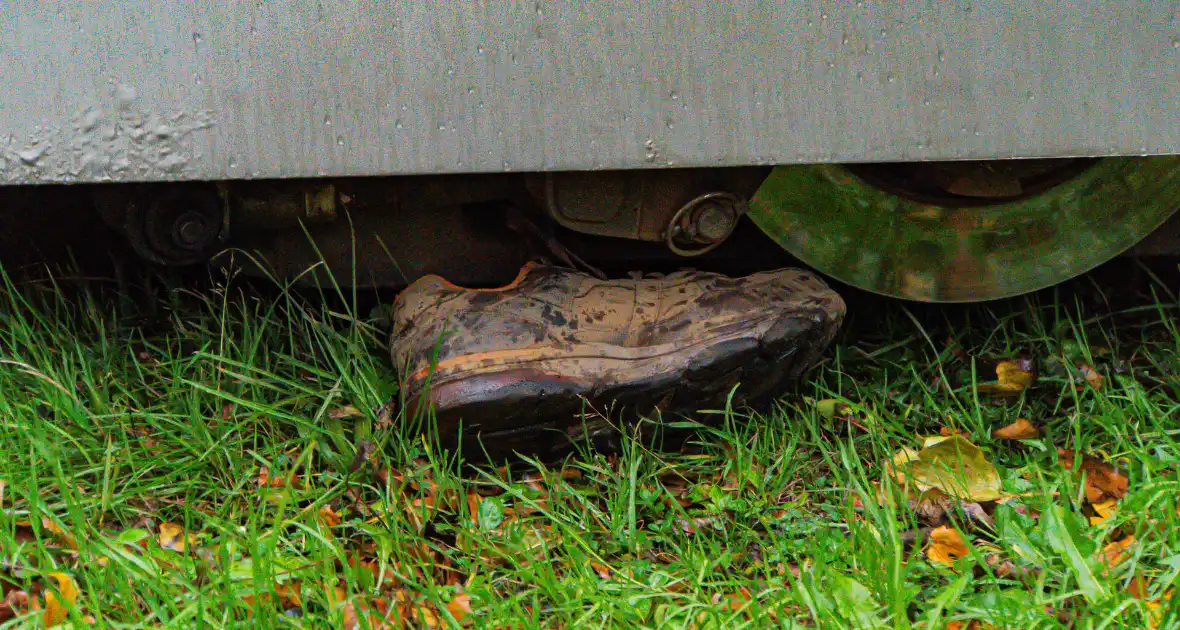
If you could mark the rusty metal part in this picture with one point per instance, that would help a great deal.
(637, 205)
(269, 206)
(170, 224)
(702, 224)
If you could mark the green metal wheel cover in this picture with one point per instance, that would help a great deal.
(879, 241)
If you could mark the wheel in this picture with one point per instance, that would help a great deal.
(967, 231)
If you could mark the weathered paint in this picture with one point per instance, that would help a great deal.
(197, 89)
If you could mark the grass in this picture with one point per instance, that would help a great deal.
(229, 459)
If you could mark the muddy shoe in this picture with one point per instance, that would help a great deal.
(502, 368)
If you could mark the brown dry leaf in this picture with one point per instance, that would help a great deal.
(947, 432)
(733, 601)
(460, 607)
(172, 536)
(931, 506)
(946, 546)
(1092, 376)
(601, 569)
(60, 534)
(1021, 429)
(1117, 551)
(57, 610)
(1103, 481)
(345, 412)
(328, 517)
(290, 480)
(16, 602)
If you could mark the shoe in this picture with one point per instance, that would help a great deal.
(502, 368)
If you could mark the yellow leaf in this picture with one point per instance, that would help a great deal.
(946, 546)
(57, 610)
(1021, 429)
(59, 533)
(954, 465)
(172, 536)
(1104, 510)
(1012, 377)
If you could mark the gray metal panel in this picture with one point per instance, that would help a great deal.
(199, 89)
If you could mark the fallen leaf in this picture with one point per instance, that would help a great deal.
(952, 464)
(57, 609)
(1103, 510)
(1021, 429)
(1116, 552)
(601, 569)
(1103, 482)
(460, 607)
(733, 601)
(931, 506)
(172, 536)
(60, 534)
(427, 616)
(329, 517)
(16, 602)
(364, 450)
(947, 432)
(345, 412)
(1012, 377)
(946, 546)
(1092, 376)
(290, 480)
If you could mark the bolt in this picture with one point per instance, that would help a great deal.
(713, 223)
(191, 231)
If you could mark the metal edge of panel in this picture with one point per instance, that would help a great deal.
(179, 90)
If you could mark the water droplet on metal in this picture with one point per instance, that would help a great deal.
(844, 40)
(479, 49)
(197, 40)
(889, 77)
(397, 124)
(327, 120)
(471, 90)
(673, 95)
(197, 79)
(339, 141)
(442, 127)
(823, 16)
